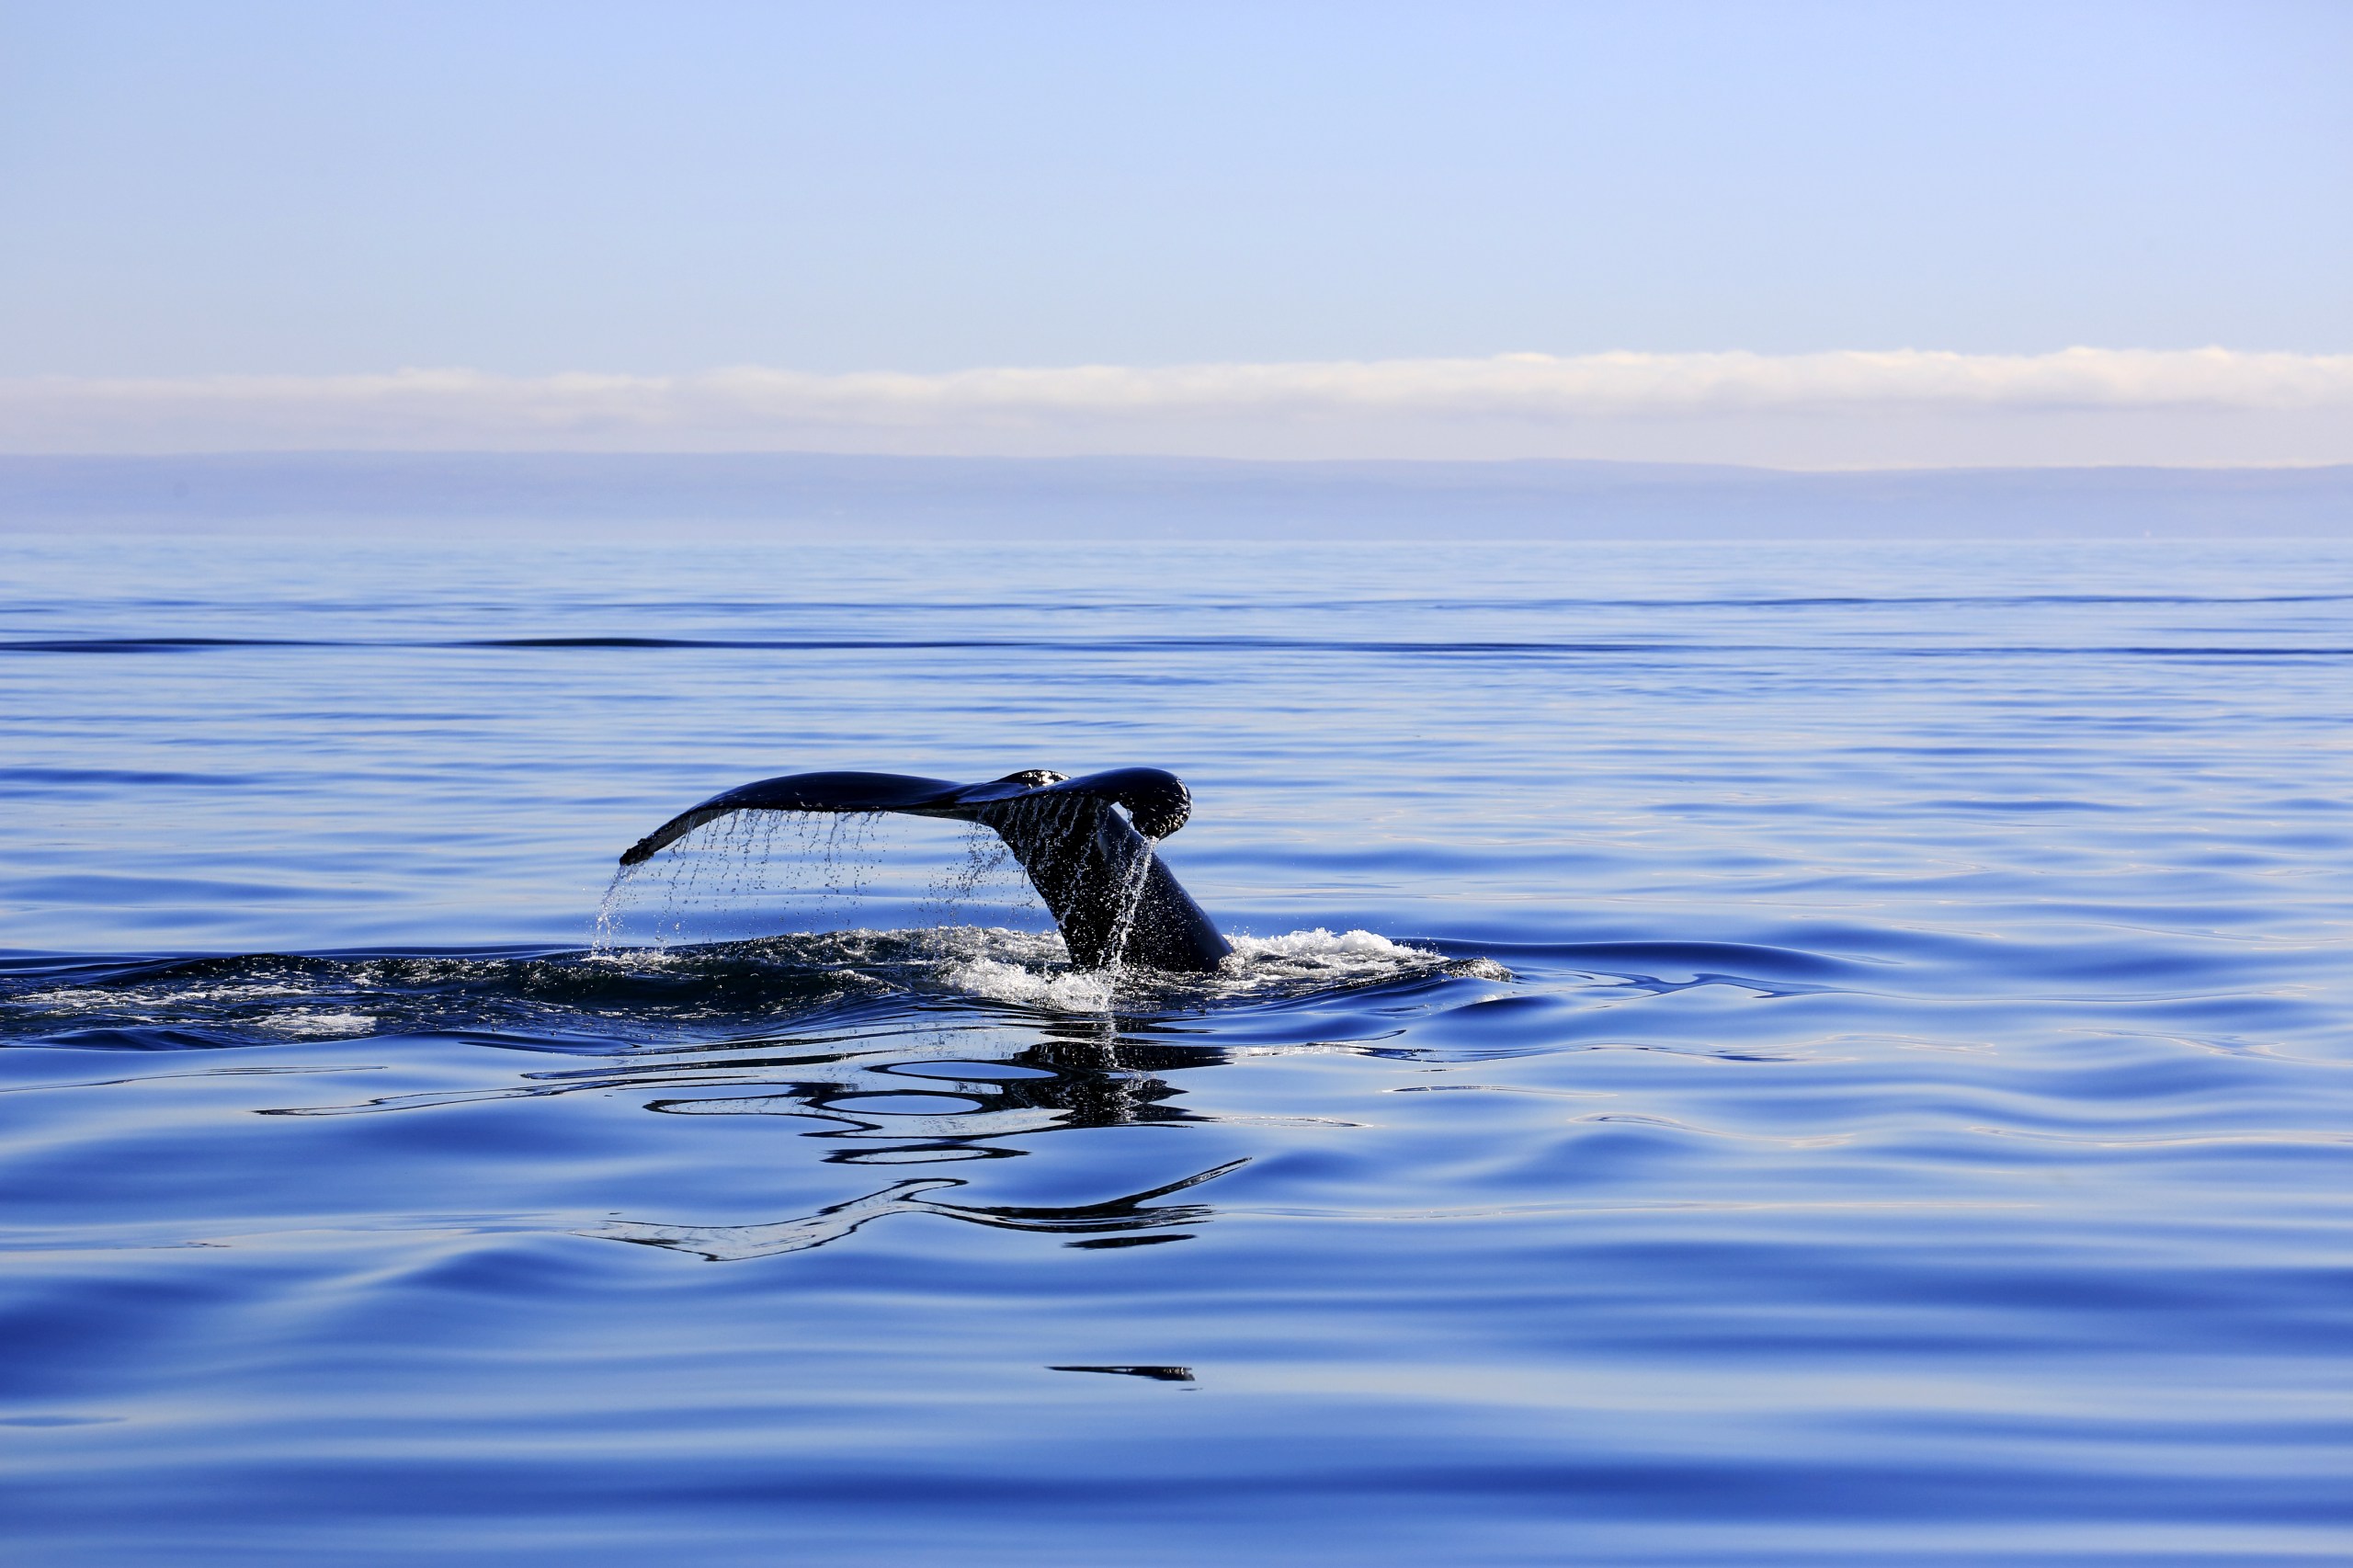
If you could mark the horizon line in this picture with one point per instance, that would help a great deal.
(1209, 460)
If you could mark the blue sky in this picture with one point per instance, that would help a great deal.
(524, 189)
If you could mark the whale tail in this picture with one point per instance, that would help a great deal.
(1095, 868)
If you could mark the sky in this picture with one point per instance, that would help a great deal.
(1812, 234)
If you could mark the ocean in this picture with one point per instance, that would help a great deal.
(1738, 1053)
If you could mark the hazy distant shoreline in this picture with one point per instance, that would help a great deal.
(1156, 497)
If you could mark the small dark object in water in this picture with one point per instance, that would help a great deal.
(1157, 1374)
(1095, 869)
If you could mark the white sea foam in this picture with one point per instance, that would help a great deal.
(992, 942)
(1320, 947)
(83, 999)
(1071, 991)
(317, 1023)
(1322, 958)
(1023, 968)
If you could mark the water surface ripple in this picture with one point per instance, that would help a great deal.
(1745, 1054)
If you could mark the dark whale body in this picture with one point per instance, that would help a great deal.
(1091, 865)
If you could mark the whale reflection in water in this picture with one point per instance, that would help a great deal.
(1063, 1084)
(1116, 1221)
(879, 1072)
(861, 1097)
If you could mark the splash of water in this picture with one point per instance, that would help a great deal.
(986, 855)
(1131, 896)
(825, 863)
(609, 936)
(830, 858)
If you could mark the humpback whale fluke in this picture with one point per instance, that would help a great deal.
(1095, 868)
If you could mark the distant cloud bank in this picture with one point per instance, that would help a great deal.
(1905, 408)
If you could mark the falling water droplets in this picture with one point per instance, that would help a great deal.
(758, 873)
(737, 869)
(609, 930)
(1131, 896)
(985, 860)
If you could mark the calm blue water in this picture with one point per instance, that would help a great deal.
(1747, 1054)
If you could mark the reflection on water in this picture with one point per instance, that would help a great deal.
(1112, 1222)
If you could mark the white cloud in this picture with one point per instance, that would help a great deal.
(1845, 409)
